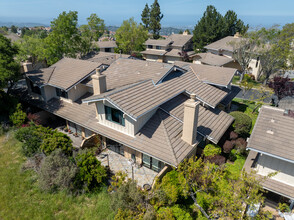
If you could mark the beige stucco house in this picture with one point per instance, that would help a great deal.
(169, 50)
(156, 114)
(106, 46)
(225, 47)
(272, 150)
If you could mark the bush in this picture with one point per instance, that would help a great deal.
(216, 159)
(174, 212)
(241, 145)
(54, 140)
(31, 140)
(211, 150)
(7, 104)
(233, 135)
(91, 173)
(18, 117)
(34, 118)
(228, 146)
(57, 172)
(242, 123)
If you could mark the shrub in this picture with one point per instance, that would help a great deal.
(228, 146)
(18, 117)
(31, 140)
(7, 104)
(174, 212)
(233, 135)
(241, 145)
(54, 140)
(91, 172)
(211, 150)
(57, 172)
(216, 159)
(232, 155)
(242, 123)
(34, 118)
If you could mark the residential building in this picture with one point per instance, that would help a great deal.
(106, 46)
(176, 47)
(225, 47)
(156, 114)
(272, 150)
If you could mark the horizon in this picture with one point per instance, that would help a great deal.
(184, 13)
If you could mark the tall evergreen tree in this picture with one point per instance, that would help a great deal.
(145, 16)
(208, 29)
(155, 18)
(233, 24)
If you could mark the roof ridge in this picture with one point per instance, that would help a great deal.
(167, 137)
(51, 74)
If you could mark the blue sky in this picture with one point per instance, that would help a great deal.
(176, 12)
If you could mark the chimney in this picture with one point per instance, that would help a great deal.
(99, 82)
(191, 111)
(237, 35)
(27, 67)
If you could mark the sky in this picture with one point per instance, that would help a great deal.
(177, 13)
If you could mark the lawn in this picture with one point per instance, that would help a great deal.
(237, 166)
(20, 197)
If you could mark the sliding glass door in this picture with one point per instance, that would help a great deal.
(152, 163)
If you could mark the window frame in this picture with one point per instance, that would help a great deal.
(110, 114)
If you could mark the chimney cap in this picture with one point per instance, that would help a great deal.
(98, 70)
(193, 96)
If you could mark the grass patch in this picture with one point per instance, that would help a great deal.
(236, 167)
(20, 197)
(236, 80)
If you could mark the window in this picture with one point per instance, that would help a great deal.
(114, 115)
(158, 47)
(149, 46)
(107, 49)
(61, 93)
(152, 163)
(257, 62)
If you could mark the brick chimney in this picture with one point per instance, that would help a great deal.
(99, 82)
(27, 67)
(191, 111)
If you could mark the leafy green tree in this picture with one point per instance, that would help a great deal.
(13, 29)
(242, 123)
(130, 37)
(155, 18)
(145, 16)
(96, 26)
(57, 172)
(286, 39)
(91, 172)
(65, 39)
(173, 212)
(9, 68)
(208, 29)
(18, 117)
(233, 24)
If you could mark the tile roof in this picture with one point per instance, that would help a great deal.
(158, 42)
(212, 123)
(273, 134)
(215, 75)
(213, 59)
(107, 58)
(287, 103)
(139, 98)
(106, 44)
(224, 44)
(63, 74)
(179, 40)
(154, 52)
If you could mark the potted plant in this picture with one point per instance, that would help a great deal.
(65, 129)
(69, 131)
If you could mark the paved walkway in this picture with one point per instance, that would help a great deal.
(118, 162)
(76, 141)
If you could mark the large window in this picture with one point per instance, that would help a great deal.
(149, 46)
(158, 47)
(114, 115)
(61, 93)
(152, 163)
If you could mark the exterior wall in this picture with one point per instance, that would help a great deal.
(77, 91)
(129, 123)
(151, 57)
(142, 120)
(103, 50)
(267, 165)
(128, 154)
(172, 59)
(255, 69)
(49, 92)
(224, 52)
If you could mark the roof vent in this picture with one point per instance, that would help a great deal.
(273, 120)
(270, 131)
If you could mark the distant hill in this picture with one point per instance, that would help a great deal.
(8, 24)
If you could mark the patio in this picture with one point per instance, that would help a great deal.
(118, 162)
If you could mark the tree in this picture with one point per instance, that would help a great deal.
(13, 29)
(145, 16)
(9, 68)
(96, 26)
(65, 39)
(246, 85)
(242, 123)
(233, 24)
(208, 29)
(130, 37)
(282, 87)
(18, 117)
(215, 193)
(155, 18)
